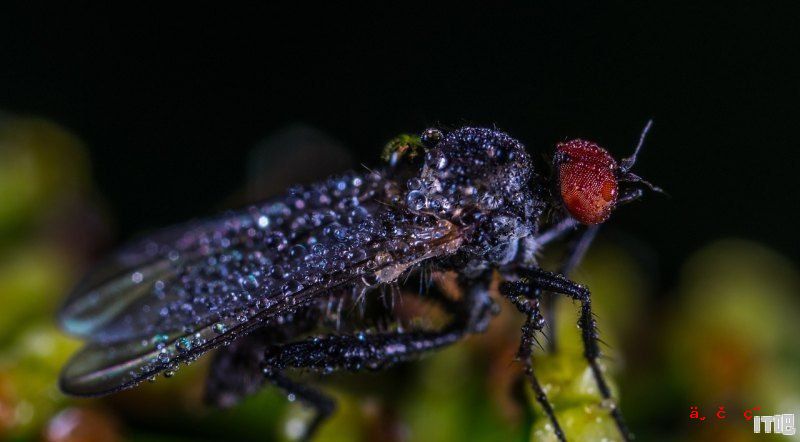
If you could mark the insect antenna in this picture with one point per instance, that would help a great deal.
(627, 163)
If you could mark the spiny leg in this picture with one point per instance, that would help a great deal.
(345, 352)
(555, 232)
(575, 253)
(554, 282)
(568, 224)
(235, 372)
(528, 304)
(476, 307)
(241, 368)
(374, 351)
(630, 195)
(578, 250)
(323, 405)
(361, 351)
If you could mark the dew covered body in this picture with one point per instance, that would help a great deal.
(164, 299)
(259, 280)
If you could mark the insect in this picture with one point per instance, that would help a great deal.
(266, 283)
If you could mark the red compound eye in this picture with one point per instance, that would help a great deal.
(587, 180)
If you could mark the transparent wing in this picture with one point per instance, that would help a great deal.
(183, 274)
(174, 295)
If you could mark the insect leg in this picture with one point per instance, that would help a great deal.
(630, 195)
(568, 224)
(575, 253)
(235, 372)
(473, 309)
(528, 303)
(476, 308)
(323, 404)
(345, 352)
(360, 351)
(554, 282)
(555, 232)
(356, 352)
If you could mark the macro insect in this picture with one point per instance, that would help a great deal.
(277, 285)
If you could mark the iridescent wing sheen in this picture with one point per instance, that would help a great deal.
(174, 295)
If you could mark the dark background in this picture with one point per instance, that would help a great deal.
(170, 102)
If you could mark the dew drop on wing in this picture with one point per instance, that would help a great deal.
(227, 273)
(416, 200)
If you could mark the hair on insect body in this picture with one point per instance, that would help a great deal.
(278, 285)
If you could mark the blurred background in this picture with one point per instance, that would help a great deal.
(115, 122)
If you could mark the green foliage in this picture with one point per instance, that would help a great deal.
(726, 334)
(41, 165)
(404, 145)
(29, 367)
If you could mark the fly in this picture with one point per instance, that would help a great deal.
(258, 281)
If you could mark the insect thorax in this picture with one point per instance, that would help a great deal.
(480, 179)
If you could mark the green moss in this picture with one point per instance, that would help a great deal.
(40, 163)
(29, 368)
(407, 145)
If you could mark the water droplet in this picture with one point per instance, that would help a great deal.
(219, 328)
(340, 233)
(291, 287)
(491, 201)
(608, 404)
(183, 345)
(297, 251)
(248, 282)
(160, 338)
(319, 249)
(357, 215)
(416, 200)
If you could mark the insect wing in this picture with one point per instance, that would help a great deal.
(133, 273)
(182, 292)
(180, 275)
